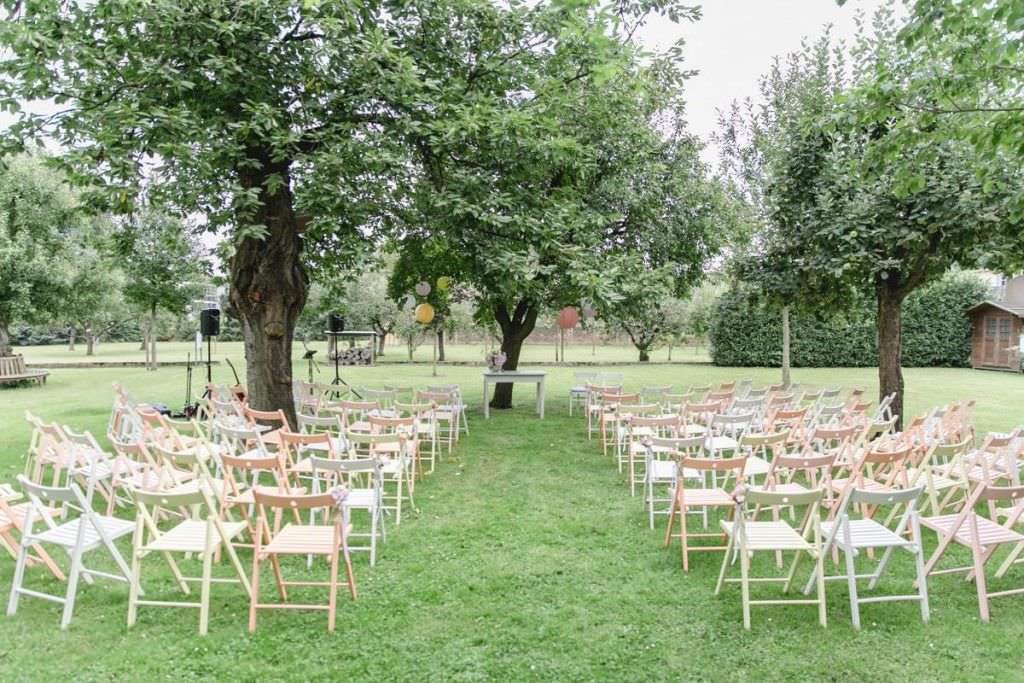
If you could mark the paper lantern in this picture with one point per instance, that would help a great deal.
(568, 317)
(589, 312)
(443, 283)
(424, 314)
(423, 288)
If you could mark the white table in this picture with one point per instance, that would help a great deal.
(511, 377)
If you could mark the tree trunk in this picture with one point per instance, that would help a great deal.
(5, 340)
(380, 341)
(71, 339)
(645, 355)
(269, 286)
(515, 328)
(90, 342)
(670, 351)
(890, 348)
(152, 337)
(410, 345)
(785, 347)
(440, 344)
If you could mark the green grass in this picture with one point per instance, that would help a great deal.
(527, 560)
(461, 353)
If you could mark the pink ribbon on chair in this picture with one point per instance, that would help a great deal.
(338, 495)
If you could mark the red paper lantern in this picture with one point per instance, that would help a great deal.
(568, 317)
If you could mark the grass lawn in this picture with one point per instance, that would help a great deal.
(461, 353)
(527, 560)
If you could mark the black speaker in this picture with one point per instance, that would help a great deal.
(335, 324)
(209, 322)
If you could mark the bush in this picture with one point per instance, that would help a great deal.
(936, 329)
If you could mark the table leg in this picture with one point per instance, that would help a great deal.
(487, 409)
(540, 396)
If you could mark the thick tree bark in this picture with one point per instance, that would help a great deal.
(5, 339)
(440, 344)
(269, 287)
(151, 356)
(90, 342)
(71, 338)
(890, 347)
(645, 354)
(515, 328)
(785, 347)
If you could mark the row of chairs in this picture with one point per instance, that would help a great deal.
(861, 487)
(232, 478)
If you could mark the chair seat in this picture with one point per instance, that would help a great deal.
(661, 470)
(939, 481)
(391, 467)
(722, 443)
(17, 515)
(989, 532)
(756, 466)
(246, 497)
(865, 533)
(788, 487)
(867, 484)
(190, 537)
(706, 497)
(769, 536)
(361, 498)
(693, 430)
(303, 539)
(66, 534)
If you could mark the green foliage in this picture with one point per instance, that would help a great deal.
(164, 267)
(936, 329)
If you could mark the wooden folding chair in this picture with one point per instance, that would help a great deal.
(578, 391)
(12, 520)
(396, 466)
(853, 535)
(982, 537)
(204, 533)
(455, 404)
(329, 540)
(426, 429)
(83, 532)
(747, 536)
(595, 404)
(700, 498)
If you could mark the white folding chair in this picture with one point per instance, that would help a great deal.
(853, 535)
(83, 532)
(328, 473)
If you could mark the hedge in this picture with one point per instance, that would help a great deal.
(936, 329)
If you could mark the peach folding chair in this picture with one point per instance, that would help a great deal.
(854, 535)
(943, 472)
(82, 532)
(876, 469)
(594, 404)
(327, 540)
(578, 391)
(12, 520)
(444, 419)
(426, 429)
(660, 470)
(454, 403)
(701, 498)
(982, 537)
(614, 410)
(268, 423)
(696, 417)
(747, 536)
(409, 426)
(203, 533)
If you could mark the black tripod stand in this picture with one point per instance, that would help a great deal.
(338, 381)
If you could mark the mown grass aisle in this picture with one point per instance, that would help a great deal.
(527, 560)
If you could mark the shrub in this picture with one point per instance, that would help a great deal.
(936, 329)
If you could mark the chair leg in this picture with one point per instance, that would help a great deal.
(725, 564)
(69, 596)
(332, 598)
(851, 582)
(684, 546)
(979, 582)
(133, 588)
(19, 578)
(745, 584)
(204, 589)
(254, 589)
(373, 536)
(922, 579)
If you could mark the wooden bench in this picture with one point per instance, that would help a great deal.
(12, 369)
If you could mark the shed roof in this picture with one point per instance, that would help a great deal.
(1009, 308)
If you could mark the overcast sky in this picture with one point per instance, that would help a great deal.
(735, 40)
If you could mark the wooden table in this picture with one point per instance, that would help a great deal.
(523, 376)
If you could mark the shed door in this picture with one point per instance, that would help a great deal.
(997, 340)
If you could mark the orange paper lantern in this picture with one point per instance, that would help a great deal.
(424, 314)
(568, 317)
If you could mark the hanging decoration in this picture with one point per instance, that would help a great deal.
(589, 312)
(443, 283)
(424, 314)
(423, 288)
(568, 317)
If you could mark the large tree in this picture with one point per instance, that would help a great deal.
(849, 220)
(240, 109)
(164, 268)
(38, 214)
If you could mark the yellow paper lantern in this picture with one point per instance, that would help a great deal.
(424, 314)
(443, 283)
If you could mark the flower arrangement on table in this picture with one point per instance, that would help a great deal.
(496, 360)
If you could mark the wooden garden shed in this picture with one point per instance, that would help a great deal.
(995, 335)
